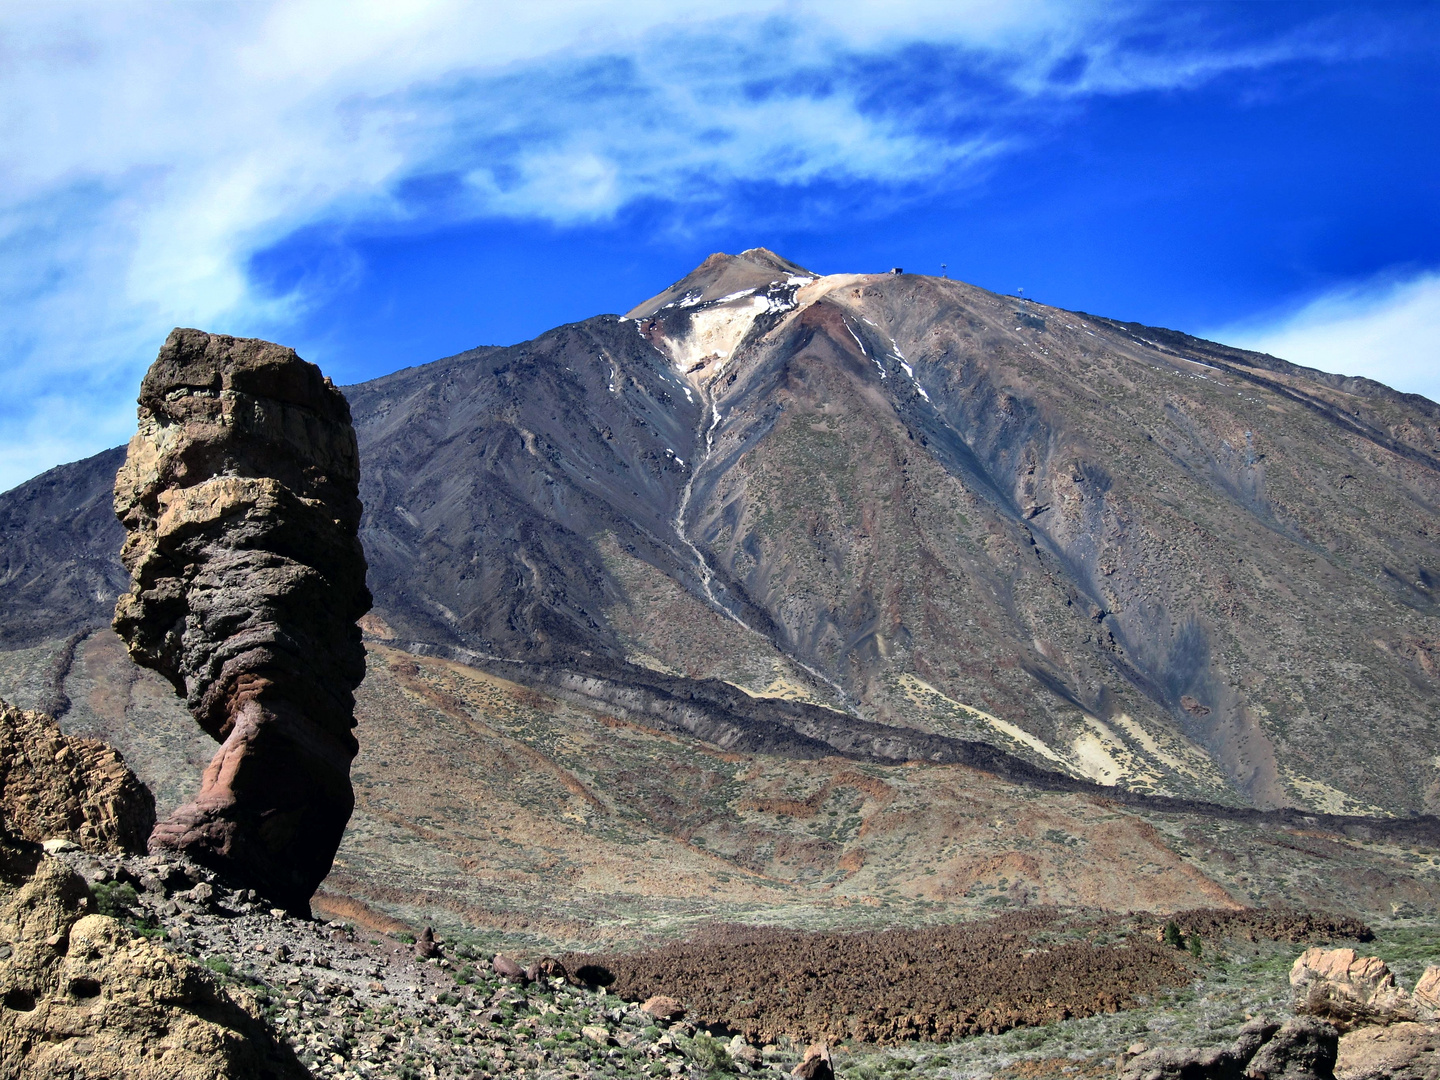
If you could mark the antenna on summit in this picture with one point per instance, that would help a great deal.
(943, 269)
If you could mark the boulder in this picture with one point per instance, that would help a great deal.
(426, 947)
(741, 1051)
(662, 1007)
(1302, 1048)
(1426, 994)
(239, 497)
(1348, 990)
(816, 1065)
(1400, 1051)
(57, 791)
(507, 968)
(83, 998)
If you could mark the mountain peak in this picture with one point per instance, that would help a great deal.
(722, 274)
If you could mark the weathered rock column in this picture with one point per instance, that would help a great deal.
(239, 495)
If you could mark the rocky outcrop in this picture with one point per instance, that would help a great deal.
(1301, 1048)
(1389, 1034)
(53, 787)
(82, 998)
(1401, 1051)
(239, 499)
(1350, 990)
(1427, 990)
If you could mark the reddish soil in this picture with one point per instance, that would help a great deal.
(935, 983)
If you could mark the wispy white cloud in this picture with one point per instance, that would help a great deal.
(1387, 330)
(149, 151)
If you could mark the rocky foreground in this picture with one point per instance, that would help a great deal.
(120, 964)
(258, 992)
(146, 967)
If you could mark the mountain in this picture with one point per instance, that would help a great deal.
(895, 517)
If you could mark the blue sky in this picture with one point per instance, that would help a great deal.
(380, 185)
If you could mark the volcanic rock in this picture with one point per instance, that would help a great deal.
(1427, 991)
(1402, 1051)
(1302, 1048)
(816, 1065)
(662, 1007)
(84, 998)
(507, 968)
(426, 947)
(239, 499)
(55, 789)
(1347, 989)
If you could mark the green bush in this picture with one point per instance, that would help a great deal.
(710, 1053)
(1194, 946)
(1172, 935)
(115, 898)
(219, 965)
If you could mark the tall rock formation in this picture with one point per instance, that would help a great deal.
(239, 496)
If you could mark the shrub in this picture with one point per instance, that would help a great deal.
(115, 898)
(1172, 935)
(710, 1053)
(219, 965)
(1194, 946)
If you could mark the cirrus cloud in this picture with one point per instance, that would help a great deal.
(152, 150)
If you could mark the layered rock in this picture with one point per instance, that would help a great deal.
(239, 496)
(1390, 1034)
(1351, 990)
(53, 787)
(84, 999)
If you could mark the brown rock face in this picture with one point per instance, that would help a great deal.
(56, 787)
(239, 499)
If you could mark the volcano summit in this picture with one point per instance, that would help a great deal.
(892, 515)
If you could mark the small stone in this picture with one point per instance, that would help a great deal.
(277, 913)
(596, 1033)
(58, 844)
